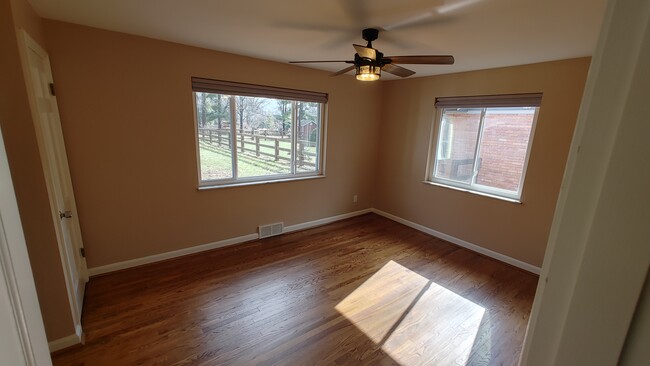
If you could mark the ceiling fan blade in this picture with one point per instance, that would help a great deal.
(397, 70)
(437, 15)
(365, 52)
(318, 62)
(429, 60)
(357, 10)
(341, 72)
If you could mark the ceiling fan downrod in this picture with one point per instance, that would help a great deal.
(370, 34)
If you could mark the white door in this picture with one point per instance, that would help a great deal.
(45, 112)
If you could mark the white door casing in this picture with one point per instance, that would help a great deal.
(598, 253)
(22, 334)
(45, 113)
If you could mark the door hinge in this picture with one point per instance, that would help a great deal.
(52, 89)
(83, 252)
(65, 214)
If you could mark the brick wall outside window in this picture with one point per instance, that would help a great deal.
(503, 148)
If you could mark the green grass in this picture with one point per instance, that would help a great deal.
(216, 161)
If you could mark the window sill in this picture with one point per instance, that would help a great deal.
(511, 200)
(258, 182)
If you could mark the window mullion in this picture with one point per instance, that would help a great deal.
(433, 165)
(319, 142)
(294, 122)
(268, 161)
(233, 135)
(477, 150)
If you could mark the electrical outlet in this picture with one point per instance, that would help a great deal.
(354, 199)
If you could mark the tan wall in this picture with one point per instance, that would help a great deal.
(516, 230)
(26, 18)
(126, 110)
(26, 170)
(127, 117)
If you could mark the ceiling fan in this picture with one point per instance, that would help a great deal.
(369, 62)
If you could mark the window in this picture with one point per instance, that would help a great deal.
(249, 133)
(482, 143)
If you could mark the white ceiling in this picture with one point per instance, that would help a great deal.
(481, 34)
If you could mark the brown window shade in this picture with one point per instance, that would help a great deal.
(251, 90)
(483, 101)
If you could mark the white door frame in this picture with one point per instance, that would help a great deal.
(58, 181)
(21, 325)
(598, 252)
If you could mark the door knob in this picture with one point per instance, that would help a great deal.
(65, 214)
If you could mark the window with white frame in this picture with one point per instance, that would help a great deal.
(481, 144)
(251, 133)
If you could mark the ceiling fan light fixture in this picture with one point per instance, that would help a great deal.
(368, 72)
(368, 61)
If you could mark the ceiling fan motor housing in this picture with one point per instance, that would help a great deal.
(370, 34)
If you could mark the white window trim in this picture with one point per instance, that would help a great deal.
(450, 137)
(479, 193)
(473, 187)
(235, 181)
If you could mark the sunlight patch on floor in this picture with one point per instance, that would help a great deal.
(413, 319)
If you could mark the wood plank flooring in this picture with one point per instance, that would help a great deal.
(363, 291)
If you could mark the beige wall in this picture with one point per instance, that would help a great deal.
(516, 230)
(26, 170)
(126, 111)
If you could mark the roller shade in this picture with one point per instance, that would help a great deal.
(486, 101)
(251, 90)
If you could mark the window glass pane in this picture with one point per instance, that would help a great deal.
(257, 136)
(215, 135)
(263, 136)
(457, 144)
(307, 136)
(502, 154)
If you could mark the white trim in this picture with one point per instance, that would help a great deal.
(325, 221)
(473, 186)
(16, 279)
(8, 274)
(58, 182)
(214, 245)
(462, 243)
(65, 342)
(479, 193)
(591, 279)
(241, 183)
(235, 180)
(95, 271)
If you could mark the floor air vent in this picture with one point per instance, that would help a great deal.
(270, 230)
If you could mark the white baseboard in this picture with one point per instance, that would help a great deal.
(325, 221)
(306, 225)
(462, 243)
(65, 342)
(169, 255)
(217, 244)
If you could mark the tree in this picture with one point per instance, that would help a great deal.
(306, 112)
(201, 108)
(222, 109)
(247, 108)
(212, 107)
(284, 115)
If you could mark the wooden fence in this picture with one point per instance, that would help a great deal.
(251, 143)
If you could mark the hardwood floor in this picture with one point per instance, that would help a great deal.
(364, 291)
